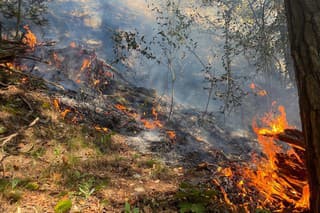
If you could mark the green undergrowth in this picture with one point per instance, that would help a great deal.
(12, 189)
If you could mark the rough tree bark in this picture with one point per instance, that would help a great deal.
(304, 32)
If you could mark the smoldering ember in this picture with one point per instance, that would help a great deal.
(159, 106)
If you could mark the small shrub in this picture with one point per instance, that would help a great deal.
(13, 195)
(63, 206)
(129, 209)
(33, 186)
(86, 189)
(194, 198)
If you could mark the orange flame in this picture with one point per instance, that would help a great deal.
(102, 129)
(265, 178)
(56, 104)
(171, 134)
(29, 38)
(262, 92)
(275, 124)
(154, 113)
(24, 80)
(224, 193)
(85, 64)
(65, 112)
(257, 90)
(149, 124)
(96, 82)
(14, 66)
(120, 107)
(304, 201)
(227, 172)
(9, 65)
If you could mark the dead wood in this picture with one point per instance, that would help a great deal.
(10, 137)
(293, 137)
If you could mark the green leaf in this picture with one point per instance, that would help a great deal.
(197, 208)
(63, 206)
(185, 207)
(192, 207)
(3, 129)
(127, 208)
(32, 186)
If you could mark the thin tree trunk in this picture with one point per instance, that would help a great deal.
(18, 18)
(304, 32)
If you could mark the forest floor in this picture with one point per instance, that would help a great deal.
(52, 164)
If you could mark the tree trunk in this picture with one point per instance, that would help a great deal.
(304, 32)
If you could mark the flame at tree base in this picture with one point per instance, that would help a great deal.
(276, 187)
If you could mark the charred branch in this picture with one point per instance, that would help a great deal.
(293, 137)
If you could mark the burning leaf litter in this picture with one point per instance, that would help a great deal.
(279, 177)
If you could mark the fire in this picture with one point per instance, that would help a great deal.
(14, 66)
(85, 64)
(24, 80)
(304, 201)
(102, 129)
(149, 124)
(257, 90)
(56, 104)
(65, 112)
(96, 82)
(152, 124)
(262, 92)
(265, 178)
(227, 172)
(29, 38)
(275, 124)
(171, 134)
(154, 113)
(121, 107)
(223, 191)
(10, 65)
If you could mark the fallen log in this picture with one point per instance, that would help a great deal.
(294, 137)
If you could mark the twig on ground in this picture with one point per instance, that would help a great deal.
(10, 137)
(25, 101)
(2, 165)
(3, 84)
(29, 105)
